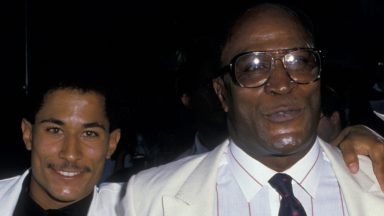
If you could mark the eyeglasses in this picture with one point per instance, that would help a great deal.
(253, 69)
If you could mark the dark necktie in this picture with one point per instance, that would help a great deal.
(289, 205)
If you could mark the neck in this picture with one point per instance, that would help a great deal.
(278, 161)
(281, 163)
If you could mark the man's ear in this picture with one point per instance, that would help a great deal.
(114, 139)
(220, 90)
(26, 129)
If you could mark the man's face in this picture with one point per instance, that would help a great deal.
(69, 143)
(279, 118)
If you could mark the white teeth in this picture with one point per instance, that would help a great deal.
(69, 174)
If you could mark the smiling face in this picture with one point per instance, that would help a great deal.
(69, 143)
(275, 123)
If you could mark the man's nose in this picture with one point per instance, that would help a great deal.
(71, 148)
(279, 81)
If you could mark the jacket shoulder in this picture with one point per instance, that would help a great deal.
(174, 172)
(146, 189)
(8, 183)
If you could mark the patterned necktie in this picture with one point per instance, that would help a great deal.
(289, 205)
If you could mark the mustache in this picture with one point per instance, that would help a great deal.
(69, 166)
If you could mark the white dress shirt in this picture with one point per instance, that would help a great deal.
(243, 188)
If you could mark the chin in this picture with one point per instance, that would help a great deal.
(68, 194)
(286, 143)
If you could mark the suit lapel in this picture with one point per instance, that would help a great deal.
(361, 191)
(198, 194)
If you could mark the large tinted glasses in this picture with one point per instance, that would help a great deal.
(253, 69)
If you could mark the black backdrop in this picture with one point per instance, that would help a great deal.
(140, 40)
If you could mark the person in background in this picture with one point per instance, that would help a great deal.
(367, 101)
(195, 91)
(333, 116)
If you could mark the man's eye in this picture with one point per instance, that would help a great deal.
(53, 130)
(259, 67)
(298, 60)
(90, 134)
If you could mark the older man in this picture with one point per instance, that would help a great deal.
(273, 163)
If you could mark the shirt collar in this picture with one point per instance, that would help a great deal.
(27, 206)
(247, 171)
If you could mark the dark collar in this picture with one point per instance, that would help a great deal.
(26, 206)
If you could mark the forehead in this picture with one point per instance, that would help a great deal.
(262, 29)
(69, 100)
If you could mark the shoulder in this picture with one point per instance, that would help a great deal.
(105, 199)
(364, 179)
(7, 184)
(178, 171)
(182, 178)
(173, 172)
(146, 190)
(10, 189)
(361, 190)
(169, 178)
(10, 183)
(110, 189)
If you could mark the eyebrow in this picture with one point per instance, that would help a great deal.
(94, 124)
(61, 123)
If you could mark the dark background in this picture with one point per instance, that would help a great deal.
(141, 40)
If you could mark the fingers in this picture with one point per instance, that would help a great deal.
(350, 156)
(354, 140)
(346, 142)
(353, 166)
(360, 140)
(377, 157)
(378, 170)
(342, 135)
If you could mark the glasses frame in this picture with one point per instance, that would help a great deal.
(231, 69)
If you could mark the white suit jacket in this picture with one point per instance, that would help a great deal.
(103, 202)
(187, 187)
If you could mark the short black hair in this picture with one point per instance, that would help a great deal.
(83, 81)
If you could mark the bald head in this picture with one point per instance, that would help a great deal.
(259, 23)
